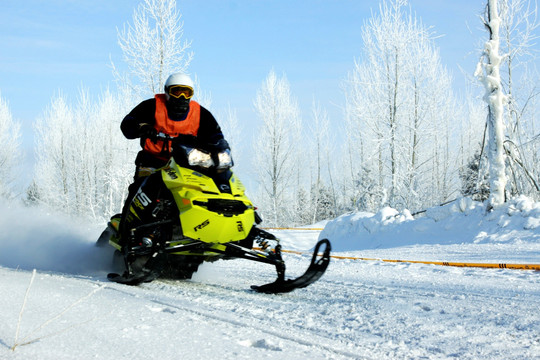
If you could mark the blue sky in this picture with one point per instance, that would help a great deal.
(62, 45)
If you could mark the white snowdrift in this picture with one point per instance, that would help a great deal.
(461, 222)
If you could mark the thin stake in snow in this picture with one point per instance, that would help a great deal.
(22, 309)
(25, 340)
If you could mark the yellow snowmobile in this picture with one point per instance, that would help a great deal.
(192, 210)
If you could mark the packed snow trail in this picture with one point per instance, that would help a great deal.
(357, 310)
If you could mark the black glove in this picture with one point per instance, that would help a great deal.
(147, 131)
(224, 158)
(220, 146)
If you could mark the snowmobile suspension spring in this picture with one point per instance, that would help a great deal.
(264, 244)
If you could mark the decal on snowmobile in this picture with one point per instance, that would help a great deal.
(171, 173)
(142, 198)
(204, 224)
(224, 188)
(137, 203)
(240, 226)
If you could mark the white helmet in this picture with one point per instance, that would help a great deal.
(178, 102)
(179, 79)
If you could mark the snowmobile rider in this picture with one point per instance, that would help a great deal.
(175, 114)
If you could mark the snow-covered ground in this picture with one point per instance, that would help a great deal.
(359, 309)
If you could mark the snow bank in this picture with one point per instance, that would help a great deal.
(460, 222)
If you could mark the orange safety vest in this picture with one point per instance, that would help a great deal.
(189, 126)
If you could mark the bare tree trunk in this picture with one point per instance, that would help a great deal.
(495, 98)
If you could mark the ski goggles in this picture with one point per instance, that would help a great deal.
(181, 90)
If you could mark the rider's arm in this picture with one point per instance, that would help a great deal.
(209, 130)
(142, 114)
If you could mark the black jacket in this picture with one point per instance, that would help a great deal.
(209, 130)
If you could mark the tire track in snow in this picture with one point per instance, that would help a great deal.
(242, 321)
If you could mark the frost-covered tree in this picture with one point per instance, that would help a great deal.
(400, 106)
(32, 194)
(153, 47)
(275, 150)
(488, 71)
(10, 154)
(231, 129)
(519, 31)
(474, 179)
(318, 156)
(472, 160)
(370, 195)
(324, 198)
(54, 140)
(472, 129)
(116, 159)
(304, 213)
(511, 93)
(83, 163)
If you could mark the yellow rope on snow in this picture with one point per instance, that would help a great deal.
(455, 264)
(443, 263)
(286, 228)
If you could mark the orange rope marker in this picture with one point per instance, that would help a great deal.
(285, 228)
(446, 263)
(443, 263)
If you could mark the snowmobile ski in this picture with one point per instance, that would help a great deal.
(314, 272)
(133, 279)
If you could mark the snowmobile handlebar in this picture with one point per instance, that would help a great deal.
(193, 142)
(187, 140)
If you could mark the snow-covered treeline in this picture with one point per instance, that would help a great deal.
(401, 115)
(408, 140)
